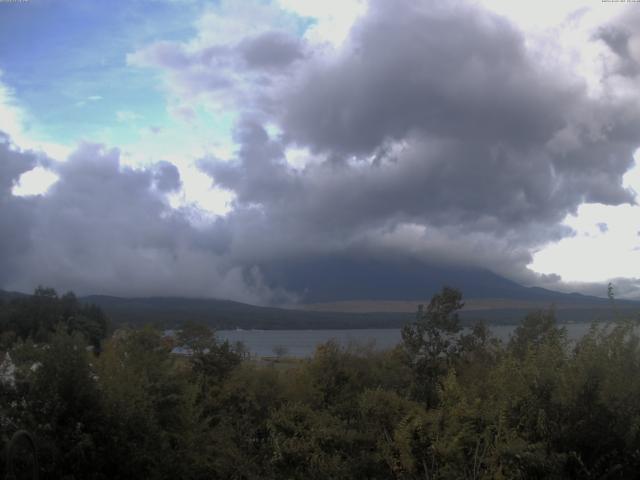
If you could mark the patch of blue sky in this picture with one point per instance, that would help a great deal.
(177, 140)
(65, 61)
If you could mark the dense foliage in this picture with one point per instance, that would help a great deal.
(37, 316)
(448, 403)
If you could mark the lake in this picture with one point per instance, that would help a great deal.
(302, 343)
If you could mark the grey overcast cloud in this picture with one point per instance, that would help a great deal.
(219, 150)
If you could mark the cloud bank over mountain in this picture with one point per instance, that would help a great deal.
(440, 134)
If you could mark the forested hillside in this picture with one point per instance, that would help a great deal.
(171, 312)
(223, 314)
(442, 405)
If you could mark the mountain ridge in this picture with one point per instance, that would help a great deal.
(333, 302)
(331, 279)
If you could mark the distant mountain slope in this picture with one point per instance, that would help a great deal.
(4, 295)
(470, 305)
(360, 294)
(336, 280)
(223, 314)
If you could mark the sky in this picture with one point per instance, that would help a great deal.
(201, 148)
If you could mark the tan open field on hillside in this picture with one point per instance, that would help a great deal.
(381, 306)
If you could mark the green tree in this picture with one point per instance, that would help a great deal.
(61, 406)
(153, 422)
(310, 444)
(432, 341)
(538, 328)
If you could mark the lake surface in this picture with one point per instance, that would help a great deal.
(302, 343)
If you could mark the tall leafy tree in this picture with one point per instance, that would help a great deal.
(432, 341)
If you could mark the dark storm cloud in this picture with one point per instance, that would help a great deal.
(618, 37)
(490, 132)
(282, 214)
(436, 138)
(237, 71)
(270, 50)
(260, 173)
(15, 212)
(167, 177)
(436, 119)
(451, 72)
(13, 164)
(192, 72)
(103, 227)
(409, 187)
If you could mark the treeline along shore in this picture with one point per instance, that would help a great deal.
(446, 403)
